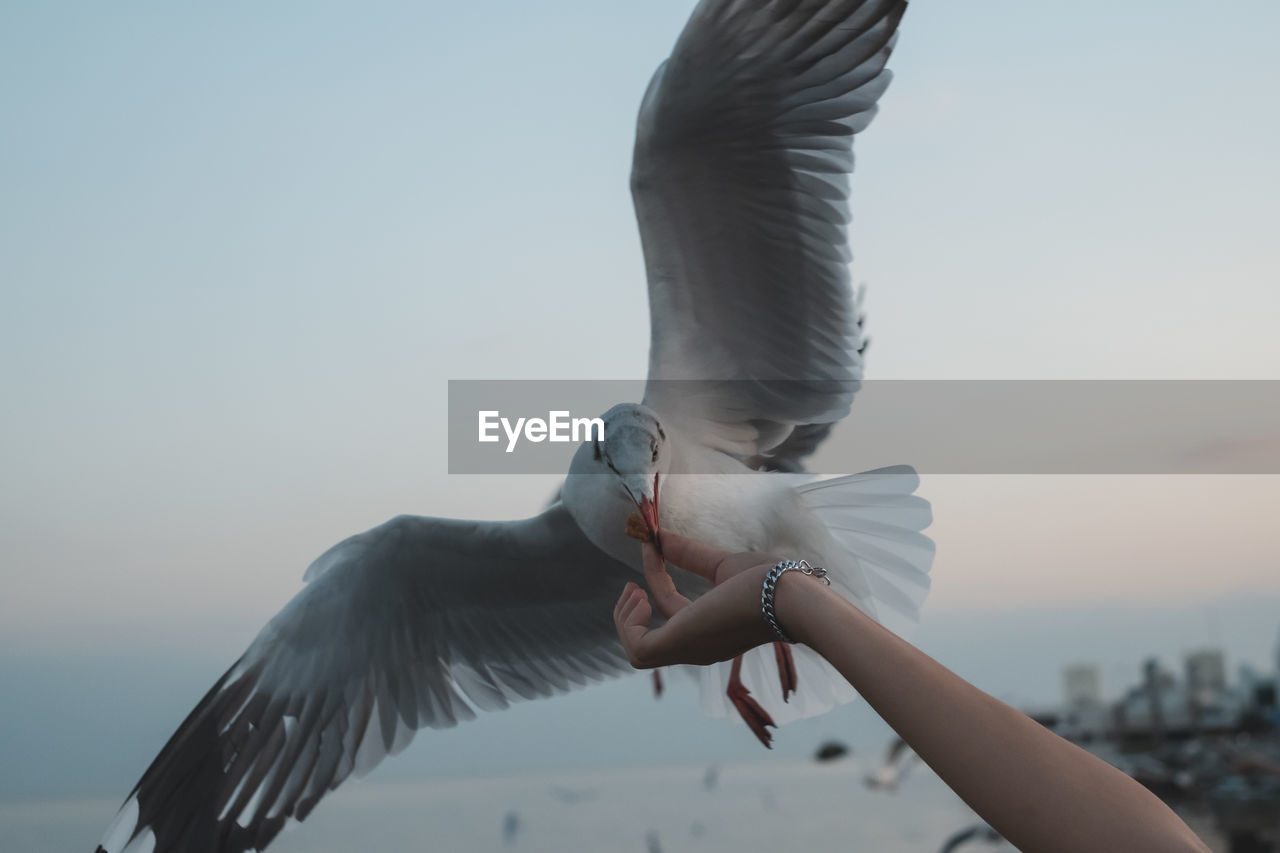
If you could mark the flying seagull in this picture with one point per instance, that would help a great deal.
(977, 832)
(740, 181)
(899, 758)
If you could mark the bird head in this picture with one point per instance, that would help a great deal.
(622, 469)
(634, 450)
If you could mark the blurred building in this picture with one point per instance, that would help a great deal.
(1206, 672)
(1163, 708)
(1208, 701)
(1277, 670)
(1084, 715)
(1081, 686)
(1155, 708)
(1260, 695)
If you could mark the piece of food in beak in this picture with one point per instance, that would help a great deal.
(638, 528)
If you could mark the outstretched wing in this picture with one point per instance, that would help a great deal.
(415, 623)
(741, 186)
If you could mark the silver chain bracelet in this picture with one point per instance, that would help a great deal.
(771, 587)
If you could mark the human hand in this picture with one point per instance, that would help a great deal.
(723, 623)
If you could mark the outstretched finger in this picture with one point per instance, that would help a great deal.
(691, 555)
(631, 618)
(665, 594)
(630, 604)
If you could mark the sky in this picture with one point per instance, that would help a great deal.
(244, 248)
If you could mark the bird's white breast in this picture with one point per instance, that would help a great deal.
(738, 510)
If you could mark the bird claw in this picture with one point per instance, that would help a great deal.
(786, 669)
(756, 717)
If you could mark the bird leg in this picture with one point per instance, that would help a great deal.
(786, 669)
(657, 684)
(756, 718)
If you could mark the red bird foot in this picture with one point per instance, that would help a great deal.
(756, 718)
(786, 669)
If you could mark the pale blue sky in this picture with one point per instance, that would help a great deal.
(243, 248)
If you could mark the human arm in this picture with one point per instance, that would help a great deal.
(1039, 791)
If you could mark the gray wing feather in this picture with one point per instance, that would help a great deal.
(741, 187)
(416, 623)
(789, 456)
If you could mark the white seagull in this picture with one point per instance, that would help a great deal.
(741, 185)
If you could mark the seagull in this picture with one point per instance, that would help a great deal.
(510, 826)
(898, 760)
(977, 832)
(830, 750)
(741, 184)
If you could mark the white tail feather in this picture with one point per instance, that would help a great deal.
(877, 557)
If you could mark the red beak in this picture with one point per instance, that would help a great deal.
(649, 512)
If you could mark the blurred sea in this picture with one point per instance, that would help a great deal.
(761, 806)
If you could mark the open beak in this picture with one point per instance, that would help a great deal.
(648, 517)
(649, 509)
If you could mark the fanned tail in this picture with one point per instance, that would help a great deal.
(877, 519)
(877, 557)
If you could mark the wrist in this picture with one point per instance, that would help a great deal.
(796, 598)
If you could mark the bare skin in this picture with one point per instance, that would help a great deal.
(644, 528)
(1039, 791)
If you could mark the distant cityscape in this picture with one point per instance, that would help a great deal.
(1164, 706)
(1203, 743)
